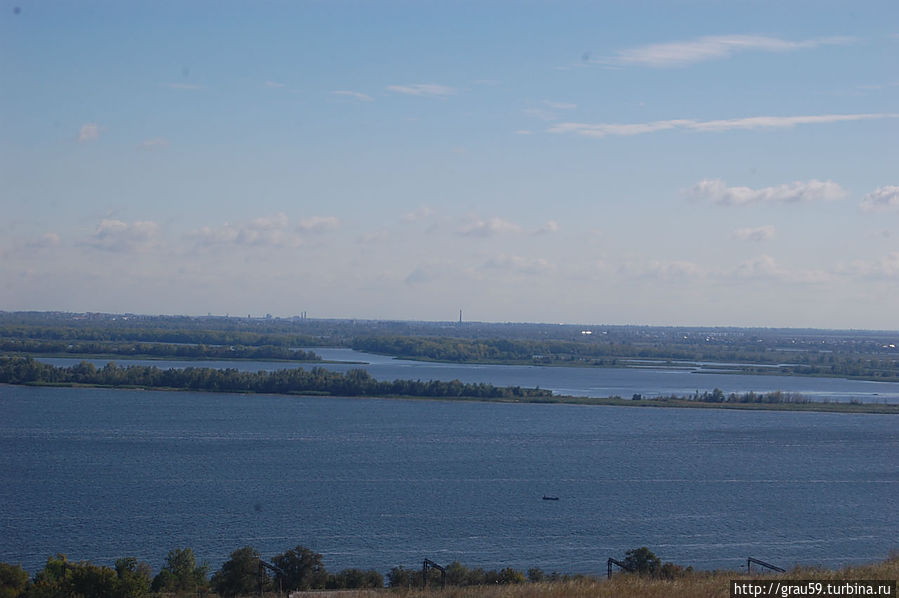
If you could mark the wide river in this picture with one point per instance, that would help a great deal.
(591, 382)
(374, 483)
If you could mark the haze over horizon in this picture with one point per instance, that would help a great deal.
(667, 163)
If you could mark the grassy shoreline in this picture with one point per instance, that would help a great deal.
(707, 584)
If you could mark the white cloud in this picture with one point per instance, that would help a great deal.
(763, 266)
(551, 226)
(717, 191)
(882, 199)
(45, 241)
(423, 89)
(488, 228)
(274, 84)
(560, 105)
(758, 233)
(89, 132)
(712, 47)
(674, 269)
(883, 268)
(524, 132)
(356, 95)
(419, 213)
(318, 224)
(266, 231)
(747, 123)
(118, 236)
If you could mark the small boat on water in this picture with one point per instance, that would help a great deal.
(545, 497)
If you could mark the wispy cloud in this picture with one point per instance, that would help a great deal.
(266, 231)
(155, 143)
(514, 264)
(747, 123)
(423, 89)
(318, 224)
(487, 228)
(716, 191)
(89, 132)
(883, 268)
(882, 199)
(356, 95)
(419, 213)
(758, 233)
(560, 105)
(762, 266)
(274, 84)
(551, 226)
(123, 237)
(712, 47)
(45, 241)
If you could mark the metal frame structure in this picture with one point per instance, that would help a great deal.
(426, 566)
(262, 567)
(620, 565)
(751, 560)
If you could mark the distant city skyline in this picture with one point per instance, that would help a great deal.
(661, 163)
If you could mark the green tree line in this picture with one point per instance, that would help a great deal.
(18, 369)
(245, 573)
(158, 335)
(609, 353)
(156, 350)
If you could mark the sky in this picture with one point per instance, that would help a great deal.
(708, 163)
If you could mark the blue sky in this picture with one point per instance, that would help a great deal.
(678, 163)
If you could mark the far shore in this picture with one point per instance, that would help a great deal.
(664, 402)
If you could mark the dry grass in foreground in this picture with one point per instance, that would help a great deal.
(699, 584)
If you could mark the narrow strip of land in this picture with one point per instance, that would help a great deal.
(318, 381)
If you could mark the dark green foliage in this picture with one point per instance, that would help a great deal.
(239, 575)
(356, 382)
(302, 569)
(642, 560)
(352, 579)
(61, 578)
(13, 579)
(53, 580)
(671, 571)
(400, 577)
(457, 574)
(536, 575)
(134, 578)
(180, 574)
(156, 350)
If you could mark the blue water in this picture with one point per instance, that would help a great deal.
(99, 474)
(589, 382)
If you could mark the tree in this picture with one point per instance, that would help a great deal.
(13, 579)
(642, 560)
(536, 575)
(52, 580)
(91, 581)
(302, 569)
(239, 575)
(400, 577)
(181, 574)
(133, 578)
